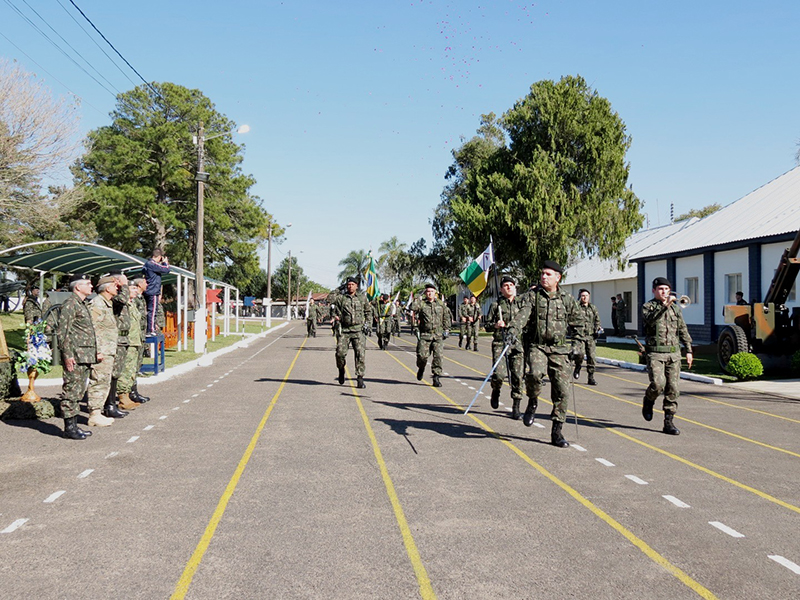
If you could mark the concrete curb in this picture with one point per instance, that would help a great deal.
(637, 367)
(178, 369)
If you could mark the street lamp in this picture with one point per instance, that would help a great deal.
(200, 284)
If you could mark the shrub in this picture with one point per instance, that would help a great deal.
(744, 365)
(796, 362)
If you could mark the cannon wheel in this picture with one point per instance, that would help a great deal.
(733, 339)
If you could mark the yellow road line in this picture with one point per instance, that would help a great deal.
(425, 588)
(683, 577)
(194, 562)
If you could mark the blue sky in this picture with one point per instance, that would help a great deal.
(356, 106)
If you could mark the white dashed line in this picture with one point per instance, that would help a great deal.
(162, 417)
(201, 391)
(724, 528)
(487, 397)
(539, 425)
(463, 383)
(635, 479)
(187, 401)
(216, 381)
(794, 567)
(14, 526)
(578, 448)
(54, 496)
(86, 473)
(133, 439)
(472, 388)
(209, 385)
(176, 408)
(111, 454)
(605, 462)
(676, 502)
(148, 428)
(448, 374)
(195, 396)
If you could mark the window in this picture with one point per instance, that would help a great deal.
(733, 284)
(691, 285)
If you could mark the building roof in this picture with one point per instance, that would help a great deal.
(593, 269)
(771, 210)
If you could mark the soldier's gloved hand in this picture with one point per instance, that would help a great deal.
(509, 339)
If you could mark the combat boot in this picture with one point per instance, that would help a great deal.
(556, 438)
(475, 346)
(420, 373)
(71, 430)
(591, 380)
(341, 375)
(460, 342)
(96, 419)
(577, 372)
(495, 401)
(126, 402)
(110, 408)
(436, 381)
(515, 414)
(530, 412)
(669, 428)
(647, 410)
(136, 396)
(360, 383)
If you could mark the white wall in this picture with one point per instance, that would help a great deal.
(602, 291)
(690, 266)
(770, 257)
(732, 261)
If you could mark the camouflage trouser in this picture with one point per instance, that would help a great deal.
(73, 389)
(428, 344)
(358, 341)
(462, 332)
(311, 327)
(396, 326)
(517, 364)
(128, 376)
(620, 325)
(664, 370)
(119, 360)
(554, 362)
(385, 329)
(589, 349)
(100, 382)
(472, 332)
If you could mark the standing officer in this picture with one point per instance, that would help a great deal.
(353, 312)
(548, 313)
(385, 321)
(31, 310)
(621, 310)
(78, 352)
(127, 379)
(121, 307)
(473, 319)
(432, 318)
(664, 330)
(314, 314)
(462, 320)
(105, 329)
(591, 319)
(500, 315)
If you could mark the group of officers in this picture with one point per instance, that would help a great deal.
(541, 332)
(101, 341)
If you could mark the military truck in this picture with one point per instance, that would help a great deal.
(767, 328)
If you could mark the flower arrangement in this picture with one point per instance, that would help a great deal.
(38, 356)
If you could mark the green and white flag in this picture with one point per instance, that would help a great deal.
(477, 273)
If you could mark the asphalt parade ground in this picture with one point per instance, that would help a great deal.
(261, 477)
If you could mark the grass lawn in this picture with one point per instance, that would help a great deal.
(705, 358)
(14, 330)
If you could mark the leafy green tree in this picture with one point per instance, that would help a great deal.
(354, 265)
(547, 180)
(139, 177)
(699, 212)
(392, 259)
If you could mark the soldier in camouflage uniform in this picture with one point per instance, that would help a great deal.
(141, 304)
(385, 321)
(120, 304)
(621, 316)
(664, 330)
(136, 331)
(462, 320)
(433, 318)
(548, 312)
(501, 313)
(312, 316)
(474, 315)
(106, 334)
(591, 319)
(336, 326)
(78, 352)
(31, 310)
(353, 312)
(397, 316)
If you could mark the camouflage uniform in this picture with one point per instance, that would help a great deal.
(588, 347)
(135, 340)
(105, 328)
(548, 317)
(385, 323)
(472, 311)
(620, 324)
(31, 310)
(462, 321)
(432, 318)
(506, 310)
(121, 306)
(398, 315)
(77, 341)
(664, 330)
(336, 326)
(313, 315)
(354, 312)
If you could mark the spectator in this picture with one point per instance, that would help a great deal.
(153, 269)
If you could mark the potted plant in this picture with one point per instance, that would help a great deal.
(37, 358)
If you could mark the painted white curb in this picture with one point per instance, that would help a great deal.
(637, 367)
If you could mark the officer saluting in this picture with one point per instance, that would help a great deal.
(433, 318)
(548, 313)
(353, 312)
(664, 330)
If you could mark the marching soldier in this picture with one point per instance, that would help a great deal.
(433, 318)
(105, 329)
(336, 326)
(78, 347)
(353, 312)
(312, 317)
(548, 312)
(591, 319)
(385, 321)
(664, 330)
(398, 314)
(31, 309)
(500, 315)
(462, 320)
(474, 314)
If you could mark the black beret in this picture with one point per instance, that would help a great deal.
(79, 277)
(508, 279)
(661, 281)
(430, 286)
(580, 291)
(351, 280)
(551, 264)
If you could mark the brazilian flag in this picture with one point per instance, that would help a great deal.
(371, 277)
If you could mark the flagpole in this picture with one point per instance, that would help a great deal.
(497, 296)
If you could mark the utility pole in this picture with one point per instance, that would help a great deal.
(289, 290)
(200, 285)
